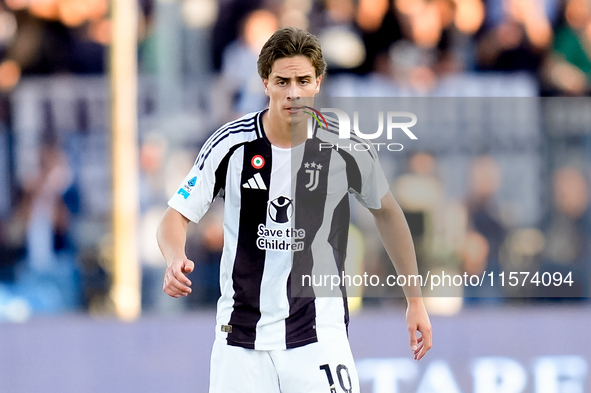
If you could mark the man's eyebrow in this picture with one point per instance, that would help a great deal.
(307, 76)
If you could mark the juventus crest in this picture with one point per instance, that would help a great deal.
(314, 170)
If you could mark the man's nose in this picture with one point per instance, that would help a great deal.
(294, 92)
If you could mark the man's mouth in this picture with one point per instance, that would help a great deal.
(293, 109)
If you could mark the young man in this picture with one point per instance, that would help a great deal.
(286, 212)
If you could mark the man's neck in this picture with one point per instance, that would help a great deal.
(282, 134)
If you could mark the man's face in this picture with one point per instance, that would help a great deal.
(292, 84)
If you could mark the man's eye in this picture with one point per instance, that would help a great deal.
(305, 82)
(281, 83)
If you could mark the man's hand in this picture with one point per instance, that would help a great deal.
(418, 320)
(175, 281)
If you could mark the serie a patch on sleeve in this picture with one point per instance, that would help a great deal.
(186, 189)
(227, 328)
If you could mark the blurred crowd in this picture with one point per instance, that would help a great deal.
(412, 42)
(54, 243)
(478, 233)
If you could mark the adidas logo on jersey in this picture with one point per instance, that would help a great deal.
(255, 183)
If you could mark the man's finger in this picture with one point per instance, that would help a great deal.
(174, 292)
(416, 353)
(429, 342)
(188, 266)
(426, 334)
(170, 292)
(413, 339)
(172, 289)
(182, 278)
(173, 282)
(420, 346)
(422, 353)
(179, 287)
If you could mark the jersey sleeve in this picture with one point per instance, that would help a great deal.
(374, 184)
(206, 179)
(196, 193)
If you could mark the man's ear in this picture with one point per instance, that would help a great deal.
(318, 81)
(266, 84)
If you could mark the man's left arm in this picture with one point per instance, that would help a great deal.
(397, 240)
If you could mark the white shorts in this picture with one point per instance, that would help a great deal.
(321, 367)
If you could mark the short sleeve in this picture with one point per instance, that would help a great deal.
(195, 194)
(206, 180)
(374, 184)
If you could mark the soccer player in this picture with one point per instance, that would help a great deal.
(286, 211)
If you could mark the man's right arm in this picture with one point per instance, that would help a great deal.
(172, 236)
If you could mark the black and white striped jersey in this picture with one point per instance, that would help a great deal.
(286, 212)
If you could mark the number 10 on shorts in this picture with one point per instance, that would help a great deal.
(341, 369)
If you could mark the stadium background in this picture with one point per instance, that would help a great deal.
(514, 196)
